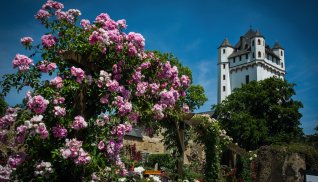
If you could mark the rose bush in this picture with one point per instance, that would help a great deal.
(71, 127)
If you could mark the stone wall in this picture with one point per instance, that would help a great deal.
(153, 145)
(278, 166)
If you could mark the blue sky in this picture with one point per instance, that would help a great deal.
(192, 30)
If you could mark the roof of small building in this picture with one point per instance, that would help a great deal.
(225, 43)
(240, 52)
(277, 46)
(135, 132)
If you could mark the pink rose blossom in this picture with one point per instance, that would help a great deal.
(42, 15)
(57, 81)
(59, 111)
(53, 5)
(101, 145)
(38, 104)
(59, 131)
(22, 62)
(185, 81)
(104, 99)
(112, 85)
(122, 24)
(78, 73)
(41, 129)
(79, 123)
(26, 41)
(85, 24)
(48, 40)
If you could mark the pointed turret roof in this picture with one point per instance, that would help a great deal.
(277, 46)
(225, 43)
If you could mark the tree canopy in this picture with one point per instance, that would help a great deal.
(71, 127)
(261, 113)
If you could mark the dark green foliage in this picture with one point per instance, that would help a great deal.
(261, 113)
(195, 97)
(163, 160)
(3, 106)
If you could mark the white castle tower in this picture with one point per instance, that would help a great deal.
(250, 59)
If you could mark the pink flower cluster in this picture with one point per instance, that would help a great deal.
(46, 67)
(185, 81)
(122, 24)
(41, 130)
(169, 98)
(57, 82)
(42, 15)
(79, 123)
(158, 111)
(102, 120)
(103, 79)
(73, 149)
(43, 169)
(9, 118)
(85, 24)
(22, 62)
(105, 21)
(16, 159)
(124, 107)
(137, 40)
(48, 40)
(5, 173)
(59, 111)
(78, 73)
(113, 147)
(38, 104)
(104, 99)
(141, 88)
(168, 72)
(69, 15)
(120, 130)
(58, 100)
(53, 4)
(26, 41)
(21, 133)
(59, 131)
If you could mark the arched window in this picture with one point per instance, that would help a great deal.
(223, 51)
(281, 53)
(253, 42)
(246, 56)
(253, 54)
(259, 54)
(246, 46)
(258, 41)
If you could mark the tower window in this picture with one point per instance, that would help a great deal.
(240, 58)
(223, 88)
(259, 54)
(281, 53)
(234, 60)
(246, 46)
(223, 51)
(253, 42)
(258, 42)
(223, 66)
(223, 77)
(282, 64)
(246, 56)
(253, 54)
(247, 79)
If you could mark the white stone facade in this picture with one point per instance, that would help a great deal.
(250, 59)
